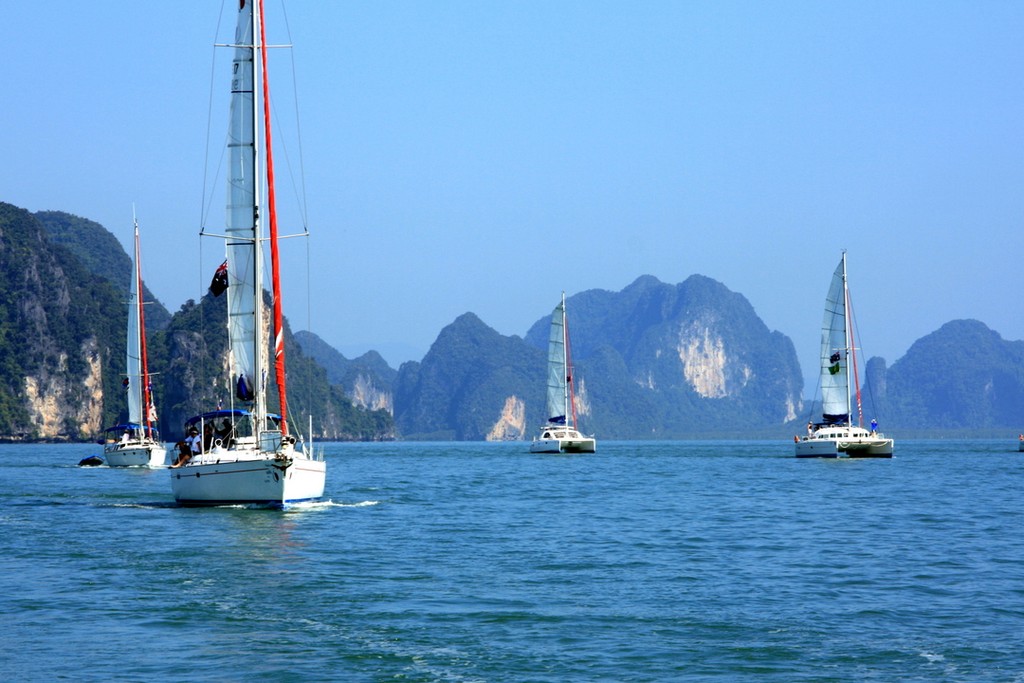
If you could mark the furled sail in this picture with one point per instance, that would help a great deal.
(556, 367)
(835, 391)
(242, 243)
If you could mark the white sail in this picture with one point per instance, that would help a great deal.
(557, 389)
(242, 214)
(835, 391)
(134, 346)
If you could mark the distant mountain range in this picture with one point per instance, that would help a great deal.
(654, 361)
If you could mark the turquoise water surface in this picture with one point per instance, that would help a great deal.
(647, 561)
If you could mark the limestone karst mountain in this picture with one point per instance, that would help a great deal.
(652, 361)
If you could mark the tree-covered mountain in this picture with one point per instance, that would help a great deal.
(101, 253)
(63, 315)
(367, 380)
(962, 376)
(60, 332)
(193, 353)
(651, 361)
(472, 384)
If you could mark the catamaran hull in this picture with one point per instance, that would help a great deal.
(844, 448)
(135, 455)
(564, 446)
(271, 481)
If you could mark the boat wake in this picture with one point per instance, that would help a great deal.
(325, 504)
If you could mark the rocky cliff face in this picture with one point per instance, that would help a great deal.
(367, 394)
(703, 358)
(511, 424)
(62, 407)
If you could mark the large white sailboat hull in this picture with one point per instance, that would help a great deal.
(267, 479)
(844, 442)
(135, 454)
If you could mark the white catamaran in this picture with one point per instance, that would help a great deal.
(136, 443)
(247, 455)
(560, 434)
(836, 435)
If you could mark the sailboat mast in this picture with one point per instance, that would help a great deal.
(849, 345)
(141, 320)
(259, 407)
(565, 367)
(275, 261)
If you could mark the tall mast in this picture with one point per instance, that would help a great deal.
(259, 407)
(143, 379)
(565, 367)
(849, 345)
(275, 262)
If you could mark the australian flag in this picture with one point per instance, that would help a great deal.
(220, 280)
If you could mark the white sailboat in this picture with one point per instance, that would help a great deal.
(135, 443)
(559, 434)
(836, 435)
(246, 455)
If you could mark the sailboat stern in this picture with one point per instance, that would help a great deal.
(135, 454)
(816, 448)
(271, 481)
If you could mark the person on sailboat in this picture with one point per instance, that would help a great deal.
(194, 441)
(224, 434)
(874, 425)
(207, 436)
(184, 454)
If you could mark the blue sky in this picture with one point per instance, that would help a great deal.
(466, 156)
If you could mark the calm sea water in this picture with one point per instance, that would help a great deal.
(659, 561)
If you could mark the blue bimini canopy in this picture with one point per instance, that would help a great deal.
(220, 414)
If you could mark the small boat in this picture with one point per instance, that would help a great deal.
(136, 443)
(559, 434)
(1020, 442)
(247, 455)
(836, 435)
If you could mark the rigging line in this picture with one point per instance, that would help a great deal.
(205, 208)
(309, 326)
(202, 327)
(300, 197)
(298, 126)
(867, 381)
